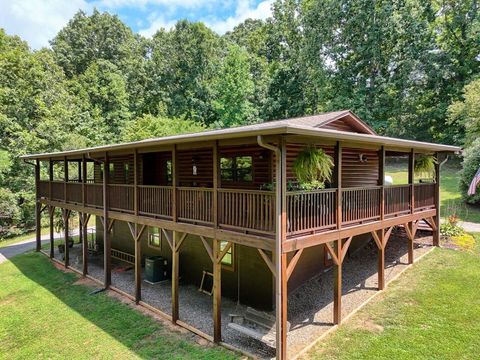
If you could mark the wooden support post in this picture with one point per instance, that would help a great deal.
(178, 238)
(338, 181)
(215, 184)
(50, 178)
(106, 237)
(38, 205)
(217, 291)
(66, 216)
(174, 183)
(337, 284)
(381, 181)
(381, 261)
(84, 229)
(65, 189)
(436, 230)
(410, 248)
(135, 182)
(282, 267)
(411, 179)
(84, 180)
(138, 264)
(51, 214)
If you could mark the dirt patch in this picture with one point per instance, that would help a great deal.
(8, 300)
(85, 281)
(369, 325)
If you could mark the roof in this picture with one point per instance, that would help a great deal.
(307, 126)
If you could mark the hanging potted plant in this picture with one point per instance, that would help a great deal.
(425, 167)
(312, 167)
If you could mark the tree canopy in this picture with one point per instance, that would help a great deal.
(409, 68)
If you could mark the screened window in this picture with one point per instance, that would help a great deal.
(236, 169)
(154, 238)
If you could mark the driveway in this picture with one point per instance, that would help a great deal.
(28, 245)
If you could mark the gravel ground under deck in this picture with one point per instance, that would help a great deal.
(310, 307)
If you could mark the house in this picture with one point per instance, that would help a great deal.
(219, 207)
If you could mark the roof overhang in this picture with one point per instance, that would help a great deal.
(271, 129)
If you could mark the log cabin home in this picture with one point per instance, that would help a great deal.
(219, 204)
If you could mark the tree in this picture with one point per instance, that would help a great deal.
(149, 126)
(471, 164)
(464, 115)
(234, 89)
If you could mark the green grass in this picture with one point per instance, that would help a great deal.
(431, 312)
(16, 239)
(450, 198)
(45, 315)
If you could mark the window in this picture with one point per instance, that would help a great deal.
(227, 260)
(236, 169)
(154, 238)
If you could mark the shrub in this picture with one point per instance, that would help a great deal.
(449, 229)
(471, 163)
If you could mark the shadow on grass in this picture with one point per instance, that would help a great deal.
(144, 336)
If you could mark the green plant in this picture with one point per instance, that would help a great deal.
(471, 164)
(464, 241)
(313, 167)
(449, 229)
(425, 165)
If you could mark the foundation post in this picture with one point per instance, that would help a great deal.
(138, 266)
(381, 261)
(217, 291)
(337, 284)
(175, 273)
(84, 230)
(436, 232)
(51, 214)
(106, 237)
(410, 243)
(66, 216)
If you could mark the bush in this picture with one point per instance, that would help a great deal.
(471, 163)
(449, 229)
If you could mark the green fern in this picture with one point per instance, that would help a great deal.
(313, 166)
(425, 165)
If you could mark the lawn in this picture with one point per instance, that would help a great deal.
(431, 312)
(44, 314)
(450, 197)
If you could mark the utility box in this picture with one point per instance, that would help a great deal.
(156, 269)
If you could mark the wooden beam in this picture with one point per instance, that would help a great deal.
(377, 240)
(84, 229)
(293, 263)
(381, 181)
(411, 179)
(216, 178)
(387, 235)
(225, 250)
(66, 215)
(436, 229)
(52, 232)
(337, 284)
(338, 178)
(217, 290)
(208, 248)
(38, 216)
(135, 182)
(268, 261)
(332, 253)
(381, 261)
(345, 247)
(174, 183)
(138, 264)
(168, 238)
(106, 236)
(175, 274)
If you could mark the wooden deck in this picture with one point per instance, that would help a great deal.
(250, 212)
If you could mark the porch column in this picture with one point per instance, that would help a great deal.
(381, 261)
(381, 181)
(338, 181)
(178, 238)
(280, 257)
(50, 178)
(411, 179)
(436, 232)
(174, 183)
(51, 215)
(85, 218)
(337, 283)
(65, 165)
(106, 238)
(217, 291)
(38, 205)
(138, 249)
(66, 216)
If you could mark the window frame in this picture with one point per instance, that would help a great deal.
(234, 169)
(228, 266)
(151, 234)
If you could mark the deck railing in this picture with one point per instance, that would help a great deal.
(74, 192)
(252, 210)
(43, 189)
(58, 190)
(94, 195)
(120, 197)
(155, 201)
(397, 200)
(361, 204)
(310, 211)
(424, 196)
(195, 204)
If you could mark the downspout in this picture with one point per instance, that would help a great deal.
(278, 240)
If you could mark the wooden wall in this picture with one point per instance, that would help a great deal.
(203, 159)
(155, 168)
(357, 173)
(292, 152)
